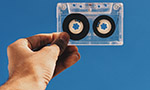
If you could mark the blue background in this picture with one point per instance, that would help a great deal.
(124, 67)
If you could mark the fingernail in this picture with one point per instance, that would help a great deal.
(77, 55)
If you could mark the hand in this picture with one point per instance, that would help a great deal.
(32, 64)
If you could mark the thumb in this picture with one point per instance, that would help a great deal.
(62, 41)
(58, 46)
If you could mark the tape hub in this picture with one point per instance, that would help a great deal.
(76, 26)
(104, 26)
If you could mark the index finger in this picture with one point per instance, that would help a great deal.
(40, 40)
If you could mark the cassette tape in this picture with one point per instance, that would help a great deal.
(91, 23)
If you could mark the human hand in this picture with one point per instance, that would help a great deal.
(32, 64)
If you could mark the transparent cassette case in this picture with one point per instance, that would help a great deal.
(91, 11)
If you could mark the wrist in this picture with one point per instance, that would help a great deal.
(24, 83)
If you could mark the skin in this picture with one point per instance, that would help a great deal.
(32, 64)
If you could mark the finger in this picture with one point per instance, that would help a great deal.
(39, 40)
(70, 49)
(67, 60)
(61, 43)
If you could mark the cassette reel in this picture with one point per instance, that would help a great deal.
(91, 23)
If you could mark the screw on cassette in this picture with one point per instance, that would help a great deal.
(76, 25)
(104, 26)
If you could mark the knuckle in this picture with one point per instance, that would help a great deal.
(10, 46)
(13, 45)
(19, 41)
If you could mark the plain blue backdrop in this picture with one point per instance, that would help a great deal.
(124, 67)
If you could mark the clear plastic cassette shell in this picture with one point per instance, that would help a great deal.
(91, 11)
